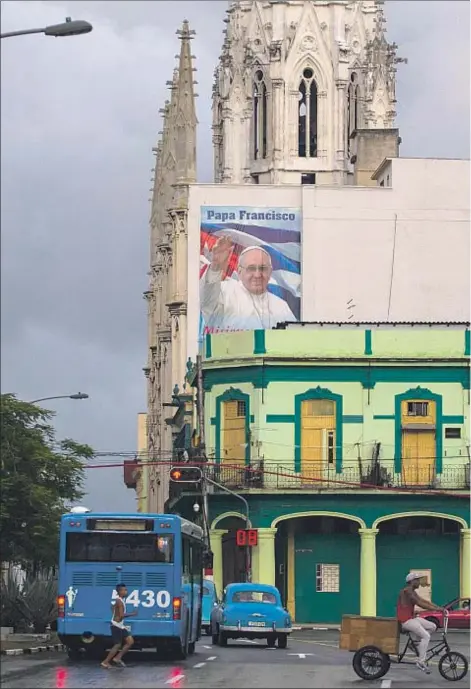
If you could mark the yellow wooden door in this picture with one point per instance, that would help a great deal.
(418, 456)
(234, 441)
(317, 439)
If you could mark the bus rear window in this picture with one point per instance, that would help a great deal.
(119, 547)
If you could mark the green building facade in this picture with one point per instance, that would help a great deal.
(350, 443)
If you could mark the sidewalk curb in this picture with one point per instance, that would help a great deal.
(308, 628)
(34, 649)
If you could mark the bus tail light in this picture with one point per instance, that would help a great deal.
(60, 606)
(177, 608)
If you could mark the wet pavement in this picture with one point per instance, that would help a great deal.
(312, 660)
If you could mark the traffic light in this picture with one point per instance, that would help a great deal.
(186, 474)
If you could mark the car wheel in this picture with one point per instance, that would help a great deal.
(271, 640)
(222, 638)
(282, 640)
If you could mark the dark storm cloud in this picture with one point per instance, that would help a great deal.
(79, 119)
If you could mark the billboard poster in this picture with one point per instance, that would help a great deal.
(250, 267)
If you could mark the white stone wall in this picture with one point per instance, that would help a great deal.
(401, 253)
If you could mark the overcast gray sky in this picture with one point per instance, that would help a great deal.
(79, 119)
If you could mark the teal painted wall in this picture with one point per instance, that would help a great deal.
(397, 555)
(313, 549)
(265, 508)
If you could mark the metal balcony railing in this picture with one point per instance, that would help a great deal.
(315, 476)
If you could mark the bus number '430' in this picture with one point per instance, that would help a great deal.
(148, 598)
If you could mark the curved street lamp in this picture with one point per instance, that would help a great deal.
(67, 28)
(75, 396)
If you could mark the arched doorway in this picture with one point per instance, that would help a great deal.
(234, 565)
(427, 544)
(322, 565)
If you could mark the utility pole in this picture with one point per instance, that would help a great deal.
(202, 442)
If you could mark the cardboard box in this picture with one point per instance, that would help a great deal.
(358, 631)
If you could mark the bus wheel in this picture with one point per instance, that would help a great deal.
(183, 648)
(74, 653)
(95, 653)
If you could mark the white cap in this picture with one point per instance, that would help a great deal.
(412, 577)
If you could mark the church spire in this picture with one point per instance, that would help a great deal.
(184, 119)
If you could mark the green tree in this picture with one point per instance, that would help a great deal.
(39, 478)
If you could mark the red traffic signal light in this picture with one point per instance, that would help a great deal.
(186, 474)
(247, 537)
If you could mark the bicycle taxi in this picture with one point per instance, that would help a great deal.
(375, 642)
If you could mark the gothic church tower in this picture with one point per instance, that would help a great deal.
(294, 81)
(174, 171)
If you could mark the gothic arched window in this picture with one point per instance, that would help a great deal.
(352, 119)
(260, 116)
(307, 115)
(356, 117)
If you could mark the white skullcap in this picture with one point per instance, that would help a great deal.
(252, 248)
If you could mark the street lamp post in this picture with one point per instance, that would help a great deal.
(75, 396)
(67, 28)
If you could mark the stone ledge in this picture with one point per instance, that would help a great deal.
(33, 649)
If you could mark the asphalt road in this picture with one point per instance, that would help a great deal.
(312, 660)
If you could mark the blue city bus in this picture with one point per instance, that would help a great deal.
(159, 557)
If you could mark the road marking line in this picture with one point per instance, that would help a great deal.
(211, 658)
(386, 684)
(199, 665)
(301, 655)
(248, 641)
(319, 643)
(174, 680)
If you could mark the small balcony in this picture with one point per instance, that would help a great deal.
(131, 473)
(266, 475)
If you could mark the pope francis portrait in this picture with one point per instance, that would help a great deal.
(243, 304)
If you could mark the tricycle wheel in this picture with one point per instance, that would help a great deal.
(453, 666)
(371, 663)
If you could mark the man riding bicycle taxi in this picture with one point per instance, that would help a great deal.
(418, 627)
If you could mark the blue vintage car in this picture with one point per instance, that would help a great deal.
(251, 611)
(210, 601)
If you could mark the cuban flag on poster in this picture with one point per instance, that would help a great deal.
(276, 230)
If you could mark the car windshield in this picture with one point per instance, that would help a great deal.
(462, 604)
(253, 597)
